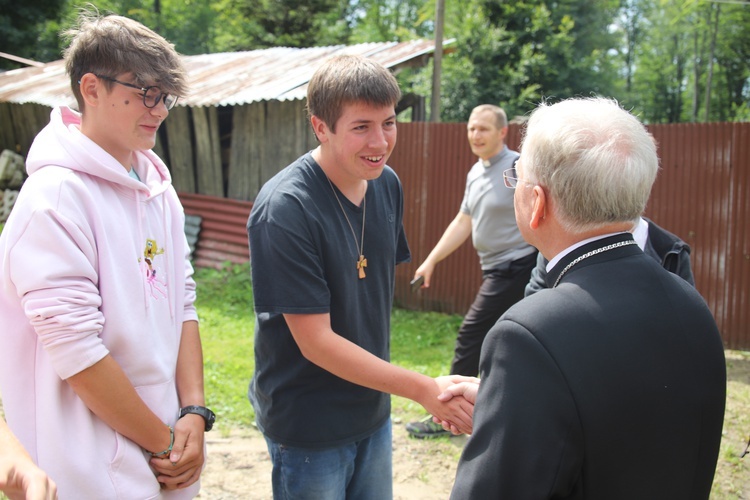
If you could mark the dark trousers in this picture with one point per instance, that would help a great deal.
(501, 288)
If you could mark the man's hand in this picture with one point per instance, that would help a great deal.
(468, 389)
(184, 464)
(20, 478)
(465, 390)
(457, 412)
(425, 269)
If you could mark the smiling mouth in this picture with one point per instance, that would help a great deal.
(373, 159)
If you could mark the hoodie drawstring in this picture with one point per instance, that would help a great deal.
(170, 290)
(143, 266)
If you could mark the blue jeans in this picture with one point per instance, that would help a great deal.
(361, 470)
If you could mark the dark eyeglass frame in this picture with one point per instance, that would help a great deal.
(169, 100)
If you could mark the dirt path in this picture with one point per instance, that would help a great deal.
(239, 468)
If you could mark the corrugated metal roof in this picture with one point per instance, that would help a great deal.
(279, 73)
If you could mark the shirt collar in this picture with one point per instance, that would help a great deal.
(495, 159)
(557, 258)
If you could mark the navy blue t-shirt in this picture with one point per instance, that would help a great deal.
(303, 260)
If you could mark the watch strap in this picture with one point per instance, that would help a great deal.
(208, 416)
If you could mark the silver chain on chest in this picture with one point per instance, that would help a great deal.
(591, 254)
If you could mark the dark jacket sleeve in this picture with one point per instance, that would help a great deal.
(527, 436)
(538, 279)
(670, 251)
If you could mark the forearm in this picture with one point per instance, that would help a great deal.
(454, 236)
(353, 363)
(322, 346)
(9, 445)
(109, 394)
(190, 366)
(184, 464)
(325, 348)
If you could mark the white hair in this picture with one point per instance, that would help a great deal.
(597, 161)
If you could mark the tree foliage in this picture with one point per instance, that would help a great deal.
(21, 29)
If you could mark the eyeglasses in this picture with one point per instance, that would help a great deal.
(510, 177)
(511, 180)
(151, 95)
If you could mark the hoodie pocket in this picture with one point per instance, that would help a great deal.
(131, 473)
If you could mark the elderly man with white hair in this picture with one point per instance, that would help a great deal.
(610, 383)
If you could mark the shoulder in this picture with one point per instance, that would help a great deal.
(295, 184)
(55, 187)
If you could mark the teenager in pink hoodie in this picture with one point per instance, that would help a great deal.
(100, 353)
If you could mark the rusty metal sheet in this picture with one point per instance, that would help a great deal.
(229, 78)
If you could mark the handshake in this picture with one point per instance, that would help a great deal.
(460, 394)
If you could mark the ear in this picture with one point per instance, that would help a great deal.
(90, 89)
(320, 129)
(539, 209)
(504, 133)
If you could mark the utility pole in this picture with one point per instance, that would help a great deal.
(437, 62)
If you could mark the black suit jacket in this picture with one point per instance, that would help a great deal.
(611, 385)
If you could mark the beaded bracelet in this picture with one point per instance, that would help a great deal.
(171, 443)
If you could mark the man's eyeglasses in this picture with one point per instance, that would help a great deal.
(510, 177)
(511, 180)
(151, 95)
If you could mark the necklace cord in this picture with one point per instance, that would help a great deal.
(361, 261)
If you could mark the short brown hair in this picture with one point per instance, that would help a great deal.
(112, 45)
(348, 79)
(501, 119)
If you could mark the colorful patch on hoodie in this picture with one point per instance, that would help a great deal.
(150, 252)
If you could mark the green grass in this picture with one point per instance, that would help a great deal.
(732, 479)
(419, 341)
(225, 308)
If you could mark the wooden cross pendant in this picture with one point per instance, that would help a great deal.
(361, 265)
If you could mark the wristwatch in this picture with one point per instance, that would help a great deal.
(208, 415)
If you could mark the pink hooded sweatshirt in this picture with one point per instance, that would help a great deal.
(94, 262)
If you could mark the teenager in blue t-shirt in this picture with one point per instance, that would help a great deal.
(325, 236)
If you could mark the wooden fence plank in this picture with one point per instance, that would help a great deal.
(180, 149)
(210, 178)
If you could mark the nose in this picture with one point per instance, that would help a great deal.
(379, 137)
(160, 109)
